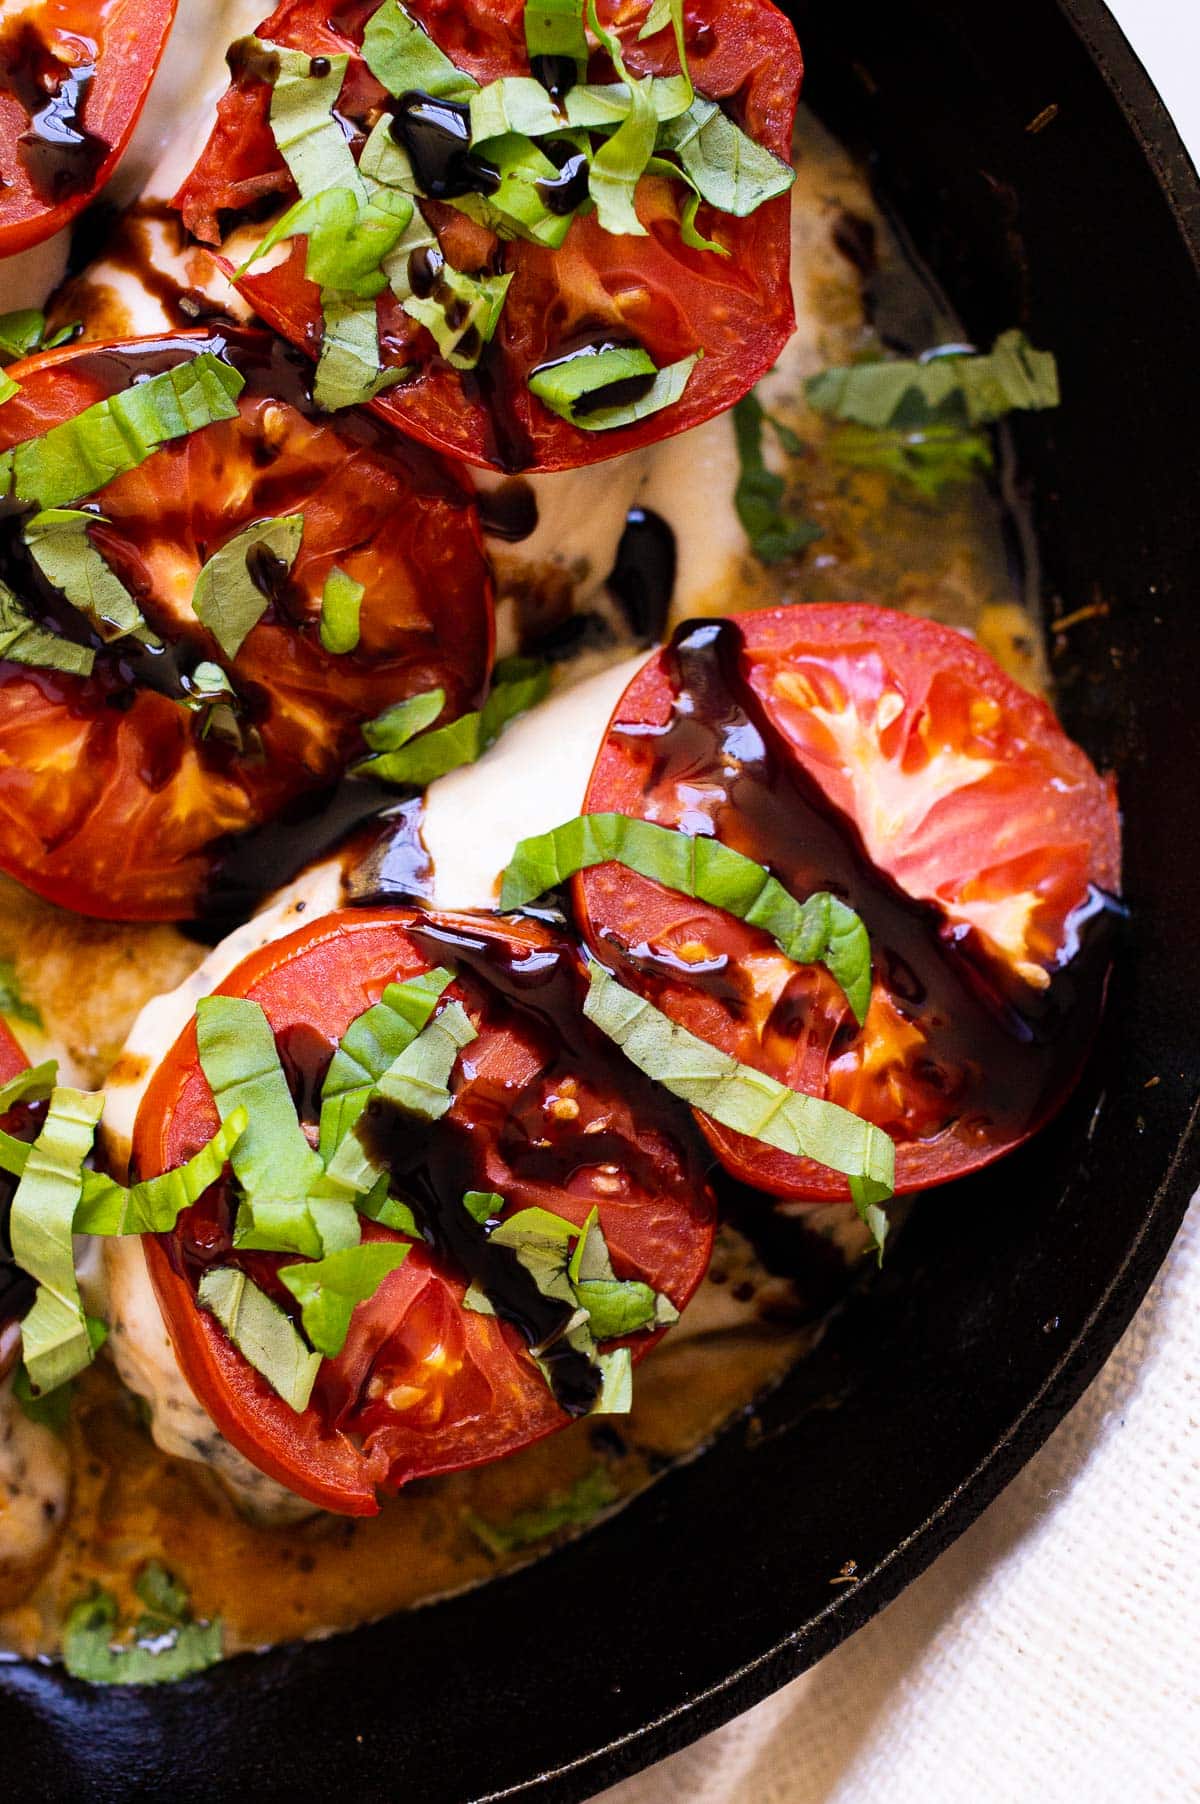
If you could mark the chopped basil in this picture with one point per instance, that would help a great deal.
(820, 930)
(54, 1334)
(973, 388)
(773, 534)
(24, 332)
(418, 1081)
(209, 693)
(732, 171)
(616, 1393)
(23, 641)
(13, 1002)
(515, 103)
(554, 28)
(271, 1159)
(930, 459)
(462, 315)
(745, 1100)
(406, 60)
(575, 1508)
(164, 1645)
(59, 545)
(369, 1047)
(328, 1289)
(620, 163)
(517, 685)
(262, 1333)
(227, 599)
(563, 386)
(349, 371)
(341, 605)
(483, 1205)
(308, 137)
(155, 1205)
(572, 1265)
(112, 437)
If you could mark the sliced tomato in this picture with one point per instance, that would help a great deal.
(889, 760)
(113, 801)
(545, 1113)
(652, 291)
(74, 75)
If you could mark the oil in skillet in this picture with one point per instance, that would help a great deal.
(1001, 1052)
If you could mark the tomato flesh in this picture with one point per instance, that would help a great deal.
(551, 1119)
(113, 801)
(74, 75)
(889, 760)
(655, 291)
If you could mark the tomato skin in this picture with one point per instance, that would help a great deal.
(112, 803)
(875, 707)
(669, 298)
(421, 1386)
(12, 1058)
(132, 36)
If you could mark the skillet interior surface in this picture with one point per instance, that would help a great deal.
(1007, 1292)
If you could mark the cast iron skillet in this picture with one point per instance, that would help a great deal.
(1007, 1293)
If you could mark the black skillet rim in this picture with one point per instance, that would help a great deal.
(703, 1710)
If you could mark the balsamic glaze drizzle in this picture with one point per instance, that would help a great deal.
(61, 157)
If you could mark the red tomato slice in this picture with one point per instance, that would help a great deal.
(654, 291)
(545, 1113)
(74, 75)
(112, 800)
(12, 1058)
(889, 760)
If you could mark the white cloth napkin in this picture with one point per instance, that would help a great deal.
(1051, 1655)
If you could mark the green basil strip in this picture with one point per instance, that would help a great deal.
(522, 684)
(741, 1098)
(405, 59)
(15, 1004)
(561, 386)
(392, 730)
(462, 315)
(59, 545)
(349, 369)
(262, 1333)
(572, 1265)
(163, 1646)
(620, 163)
(348, 239)
(418, 1081)
(575, 1508)
(24, 331)
(8, 388)
(483, 1205)
(23, 641)
(929, 459)
(517, 207)
(308, 137)
(226, 598)
(515, 103)
(774, 536)
(732, 171)
(155, 1205)
(328, 1289)
(117, 435)
(34, 1084)
(272, 1159)
(689, 212)
(979, 388)
(341, 606)
(368, 1048)
(54, 1335)
(555, 28)
(616, 1393)
(602, 106)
